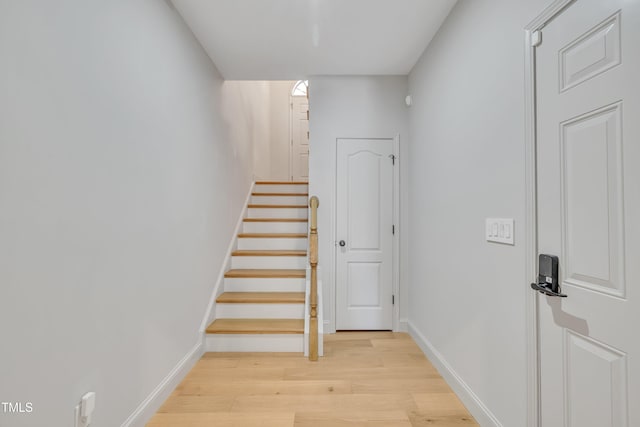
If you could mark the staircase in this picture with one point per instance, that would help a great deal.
(262, 307)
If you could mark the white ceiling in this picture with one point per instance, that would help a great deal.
(293, 39)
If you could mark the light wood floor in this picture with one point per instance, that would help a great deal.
(364, 379)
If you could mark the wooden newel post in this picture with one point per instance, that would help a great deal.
(313, 296)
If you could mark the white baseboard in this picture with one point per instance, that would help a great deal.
(476, 407)
(210, 313)
(327, 327)
(152, 403)
(403, 325)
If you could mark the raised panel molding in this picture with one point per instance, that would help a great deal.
(363, 284)
(593, 53)
(595, 386)
(591, 162)
(364, 204)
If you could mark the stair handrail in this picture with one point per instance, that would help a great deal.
(314, 202)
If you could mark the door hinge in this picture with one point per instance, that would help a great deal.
(393, 229)
(393, 299)
(536, 38)
(393, 158)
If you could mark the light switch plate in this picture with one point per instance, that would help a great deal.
(500, 230)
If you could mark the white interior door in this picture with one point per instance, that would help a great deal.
(588, 168)
(300, 138)
(364, 210)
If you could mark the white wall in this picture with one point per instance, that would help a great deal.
(120, 185)
(466, 163)
(247, 106)
(351, 107)
(259, 111)
(280, 92)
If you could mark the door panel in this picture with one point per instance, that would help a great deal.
(588, 152)
(592, 54)
(363, 284)
(363, 202)
(588, 405)
(592, 182)
(364, 223)
(299, 138)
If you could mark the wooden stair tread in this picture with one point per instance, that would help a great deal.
(273, 235)
(275, 220)
(256, 252)
(256, 326)
(282, 183)
(281, 194)
(255, 206)
(266, 273)
(261, 298)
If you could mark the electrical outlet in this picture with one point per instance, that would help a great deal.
(84, 410)
(76, 417)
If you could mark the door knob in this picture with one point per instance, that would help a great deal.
(548, 281)
(342, 243)
(543, 289)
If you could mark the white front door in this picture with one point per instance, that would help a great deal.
(588, 189)
(364, 224)
(299, 138)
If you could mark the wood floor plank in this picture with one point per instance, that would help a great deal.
(210, 386)
(442, 404)
(336, 402)
(365, 379)
(410, 385)
(238, 374)
(363, 335)
(192, 404)
(223, 419)
(352, 418)
(425, 419)
(378, 374)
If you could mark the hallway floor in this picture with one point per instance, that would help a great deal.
(364, 379)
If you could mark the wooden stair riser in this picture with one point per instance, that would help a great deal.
(259, 311)
(241, 284)
(255, 343)
(278, 212)
(280, 188)
(279, 200)
(289, 262)
(273, 244)
(275, 227)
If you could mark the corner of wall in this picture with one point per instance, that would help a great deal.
(471, 401)
(154, 401)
